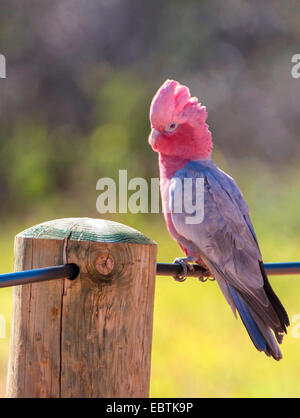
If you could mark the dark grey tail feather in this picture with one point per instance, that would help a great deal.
(248, 321)
(274, 300)
(275, 316)
(263, 318)
(267, 315)
(259, 332)
(272, 346)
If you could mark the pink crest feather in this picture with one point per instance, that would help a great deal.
(173, 103)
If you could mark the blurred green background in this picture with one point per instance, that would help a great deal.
(74, 108)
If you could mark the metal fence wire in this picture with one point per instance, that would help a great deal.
(71, 271)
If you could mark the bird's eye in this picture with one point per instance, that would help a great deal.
(171, 127)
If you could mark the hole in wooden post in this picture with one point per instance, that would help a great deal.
(75, 271)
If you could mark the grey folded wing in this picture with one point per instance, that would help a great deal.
(225, 238)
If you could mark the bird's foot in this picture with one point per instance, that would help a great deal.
(206, 276)
(184, 263)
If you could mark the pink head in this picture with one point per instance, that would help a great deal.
(178, 123)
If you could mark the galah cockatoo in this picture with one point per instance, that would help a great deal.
(222, 239)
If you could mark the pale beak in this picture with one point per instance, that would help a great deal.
(152, 137)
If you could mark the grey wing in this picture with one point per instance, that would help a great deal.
(227, 242)
(235, 193)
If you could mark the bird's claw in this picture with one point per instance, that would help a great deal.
(206, 276)
(184, 263)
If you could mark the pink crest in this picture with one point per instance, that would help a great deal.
(173, 103)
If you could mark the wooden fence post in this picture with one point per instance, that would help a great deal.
(90, 337)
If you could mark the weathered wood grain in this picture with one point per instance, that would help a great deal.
(90, 337)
